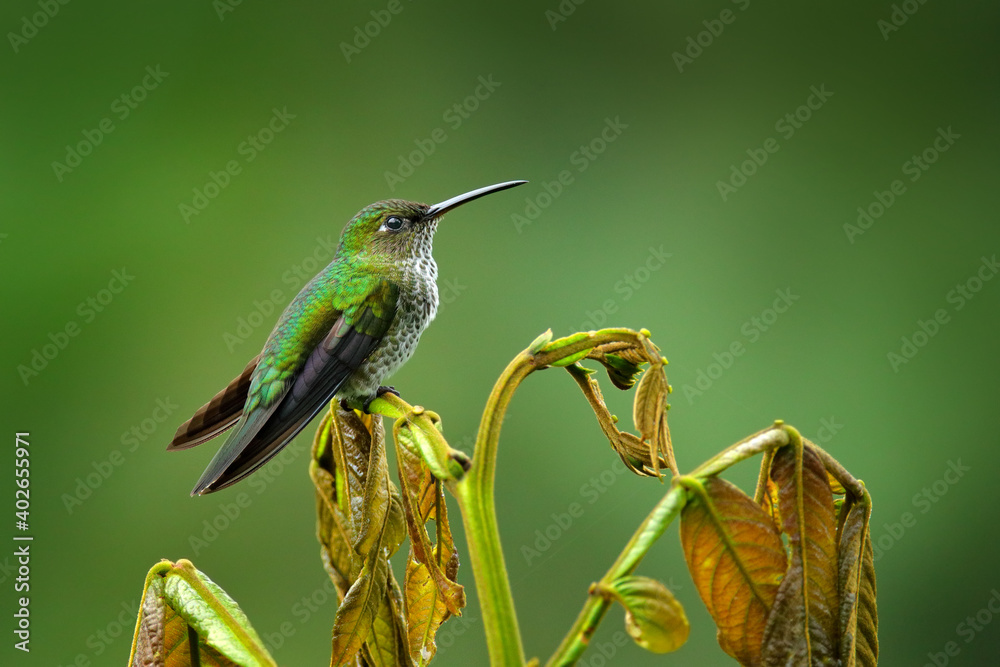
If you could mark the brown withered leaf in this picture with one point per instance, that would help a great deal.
(424, 501)
(858, 620)
(736, 558)
(359, 609)
(866, 642)
(339, 558)
(654, 618)
(634, 453)
(366, 473)
(649, 411)
(351, 434)
(431, 590)
(630, 352)
(802, 627)
(333, 524)
(360, 525)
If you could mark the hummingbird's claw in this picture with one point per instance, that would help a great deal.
(379, 392)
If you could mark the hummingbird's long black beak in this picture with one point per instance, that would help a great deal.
(437, 210)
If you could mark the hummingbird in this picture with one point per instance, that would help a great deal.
(351, 327)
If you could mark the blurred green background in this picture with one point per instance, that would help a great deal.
(173, 336)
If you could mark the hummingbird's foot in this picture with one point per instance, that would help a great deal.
(378, 393)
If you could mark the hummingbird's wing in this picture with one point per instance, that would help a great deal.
(218, 414)
(293, 399)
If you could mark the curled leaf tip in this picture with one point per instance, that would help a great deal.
(623, 365)
(541, 341)
(185, 616)
(653, 617)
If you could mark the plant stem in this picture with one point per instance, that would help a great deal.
(475, 493)
(839, 472)
(767, 440)
(650, 530)
(762, 477)
(475, 498)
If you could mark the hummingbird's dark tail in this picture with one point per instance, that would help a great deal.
(267, 428)
(217, 415)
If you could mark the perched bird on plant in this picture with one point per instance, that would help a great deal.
(349, 329)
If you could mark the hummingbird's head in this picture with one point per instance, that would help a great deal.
(395, 230)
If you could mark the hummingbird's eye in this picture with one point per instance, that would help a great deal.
(393, 223)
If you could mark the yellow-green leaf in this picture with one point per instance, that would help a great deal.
(183, 611)
(653, 617)
(430, 446)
